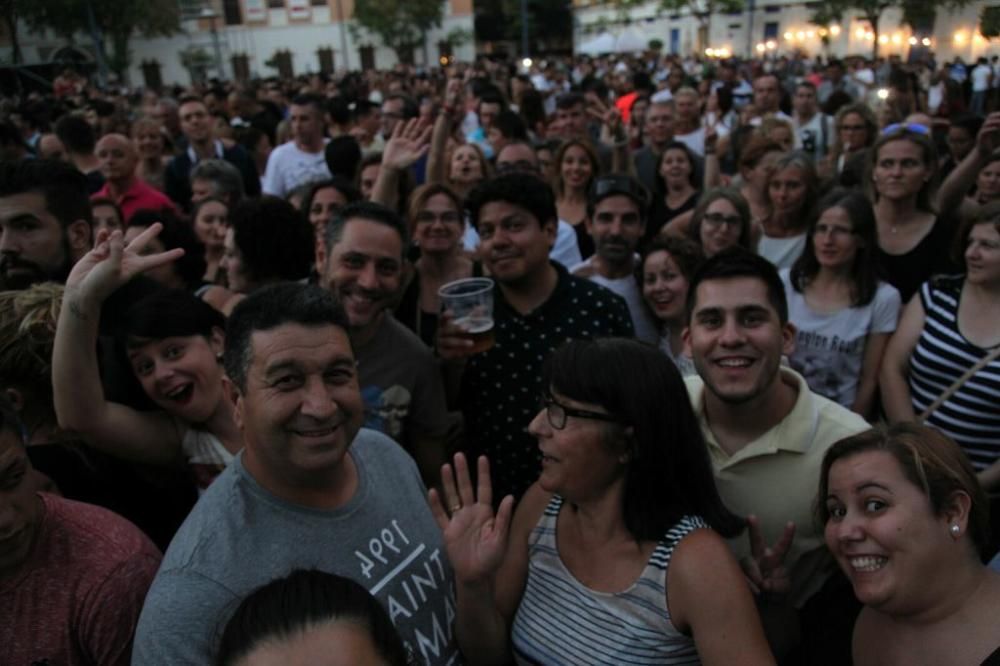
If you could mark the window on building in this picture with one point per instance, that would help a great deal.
(231, 12)
(771, 9)
(275, 4)
(318, 3)
(367, 57)
(325, 56)
(771, 31)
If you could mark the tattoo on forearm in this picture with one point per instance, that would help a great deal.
(78, 312)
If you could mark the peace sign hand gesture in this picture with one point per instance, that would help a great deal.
(112, 263)
(766, 565)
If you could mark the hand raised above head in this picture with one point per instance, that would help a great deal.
(112, 263)
(475, 538)
(409, 142)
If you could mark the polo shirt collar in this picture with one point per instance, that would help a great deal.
(793, 434)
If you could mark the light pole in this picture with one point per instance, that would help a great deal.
(343, 36)
(209, 13)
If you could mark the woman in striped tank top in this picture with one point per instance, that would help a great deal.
(610, 557)
(952, 324)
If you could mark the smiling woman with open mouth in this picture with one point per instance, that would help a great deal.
(172, 341)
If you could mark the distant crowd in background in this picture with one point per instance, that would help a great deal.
(740, 401)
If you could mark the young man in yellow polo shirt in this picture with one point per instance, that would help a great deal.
(767, 434)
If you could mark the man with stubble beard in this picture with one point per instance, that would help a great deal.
(45, 221)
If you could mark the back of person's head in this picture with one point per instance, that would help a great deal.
(190, 268)
(64, 188)
(76, 134)
(367, 211)
(275, 240)
(524, 190)
(510, 125)
(266, 309)
(969, 122)
(755, 149)
(28, 319)
(302, 602)
(864, 269)
(929, 460)
(339, 110)
(737, 263)
(226, 177)
(343, 154)
(641, 387)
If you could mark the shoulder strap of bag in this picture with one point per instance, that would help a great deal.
(982, 363)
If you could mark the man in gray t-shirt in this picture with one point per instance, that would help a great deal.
(311, 489)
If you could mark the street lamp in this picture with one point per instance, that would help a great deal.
(209, 14)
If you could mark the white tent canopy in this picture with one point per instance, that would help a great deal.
(603, 43)
(631, 39)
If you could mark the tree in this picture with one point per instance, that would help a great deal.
(703, 10)
(915, 12)
(119, 20)
(400, 24)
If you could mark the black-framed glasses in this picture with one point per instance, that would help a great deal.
(557, 413)
(716, 220)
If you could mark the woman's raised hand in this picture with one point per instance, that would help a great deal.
(475, 538)
(112, 263)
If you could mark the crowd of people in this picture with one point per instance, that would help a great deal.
(741, 402)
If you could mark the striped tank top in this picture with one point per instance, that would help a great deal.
(971, 416)
(561, 621)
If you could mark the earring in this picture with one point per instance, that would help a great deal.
(955, 530)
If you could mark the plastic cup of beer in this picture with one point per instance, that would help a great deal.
(470, 302)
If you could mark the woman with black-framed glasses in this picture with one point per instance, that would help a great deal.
(615, 554)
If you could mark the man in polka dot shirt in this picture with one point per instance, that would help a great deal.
(538, 305)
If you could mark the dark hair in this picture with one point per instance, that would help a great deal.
(167, 313)
(268, 308)
(969, 122)
(65, 189)
(410, 108)
(510, 125)
(686, 254)
(343, 185)
(737, 262)
(11, 420)
(592, 157)
(734, 197)
(864, 270)
(276, 241)
(669, 475)
(76, 134)
(661, 184)
(569, 100)
(300, 602)
(521, 189)
(109, 202)
(343, 154)
(191, 99)
(988, 213)
(930, 460)
(315, 101)
(366, 210)
(176, 232)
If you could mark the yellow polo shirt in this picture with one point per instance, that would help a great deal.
(776, 477)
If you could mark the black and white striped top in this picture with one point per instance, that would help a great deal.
(971, 416)
(561, 621)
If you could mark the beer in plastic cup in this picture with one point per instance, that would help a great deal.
(470, 302)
